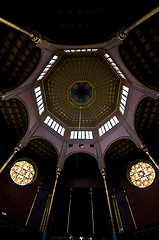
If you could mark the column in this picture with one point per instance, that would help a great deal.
(49, 206)
(16, 149)
(109, 205)
(129, 206)
(92, 210)
(33, 203)
(145, 149)
(69, 209)
(117, 214)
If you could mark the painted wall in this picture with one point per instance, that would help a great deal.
(144, 202)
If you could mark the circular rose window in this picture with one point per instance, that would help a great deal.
(141, 174)
(23, 172)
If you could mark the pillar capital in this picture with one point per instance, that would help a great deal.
(103, 172)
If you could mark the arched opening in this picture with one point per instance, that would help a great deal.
(18, 58)
(147, 124)
(13, 125)
(80, 205)
(132, 202)
(25, 205)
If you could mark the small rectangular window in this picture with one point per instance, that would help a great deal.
(47, 119)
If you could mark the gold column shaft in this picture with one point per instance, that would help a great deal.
(144, 18)
(42, 225)
(51, 201)
(32, 206)
(92, 210)
(108, 200)
(12, 25)
(117, 213)
(154, 162)
(16, 149)
(69, 211)
(132, 215)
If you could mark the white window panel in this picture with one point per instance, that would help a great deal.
(124, 92)
(56, 127)
(40, 107)
(37, 94)
(112, 122)
(109, 125)
(75, 134)
(106, 127)
(47, 119)
(79, 134)
(87, 135)
(121, 110)
(90, 135)
(59, 130)
(37, 89)
(39, 98)
(50, 122)
(55, 57)
(62, 131)
(53, 125)
(40, 102)
(100, 132)
(116, 119)
(41, 110)
(126, 88)
(72, 135)
(83, 134)
(123, 102)
(103, 130)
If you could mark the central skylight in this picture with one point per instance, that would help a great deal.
(81, 93)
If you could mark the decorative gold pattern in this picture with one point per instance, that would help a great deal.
(76, 67)
(142, 174)
(22, 173)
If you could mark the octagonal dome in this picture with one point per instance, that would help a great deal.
(81, 93)
(81, 80)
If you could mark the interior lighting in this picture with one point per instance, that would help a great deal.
(108, 125)
(54, 125)
(113, 64)
(39, 99)
(47, 68)
(81, 50)
(81, 135)
(123, 99)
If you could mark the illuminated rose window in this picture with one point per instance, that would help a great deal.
(22, 172)
(141, 174)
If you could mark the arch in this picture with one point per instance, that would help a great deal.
(147, 122)
(13, 121)
(81, 161)
(18, 54)
(139, 55)
(77, 151)
(43, 147)
(47, 140)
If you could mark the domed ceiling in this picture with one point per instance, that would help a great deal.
(81, 82)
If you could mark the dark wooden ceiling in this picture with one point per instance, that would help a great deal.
(79, 23)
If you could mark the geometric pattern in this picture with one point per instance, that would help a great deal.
(22, 173)
(73, 68)
(142, 174)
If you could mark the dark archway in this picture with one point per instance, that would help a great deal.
(13, 125)
(18, 58)
(82, 176)
(19, 199)
(147, 124)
